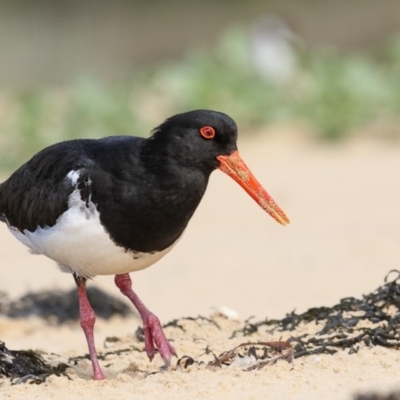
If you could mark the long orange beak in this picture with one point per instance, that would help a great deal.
(234, 166)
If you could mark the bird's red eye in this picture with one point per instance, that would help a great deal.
(208, 132)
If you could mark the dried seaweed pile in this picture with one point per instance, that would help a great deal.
(248, 356)
(59, 306)
(372, 320)
(26, 365)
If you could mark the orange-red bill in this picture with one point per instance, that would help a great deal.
(235, 167)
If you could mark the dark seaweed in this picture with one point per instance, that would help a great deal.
(340, 323)
(27, 365)
(175, 323)
(103, 356)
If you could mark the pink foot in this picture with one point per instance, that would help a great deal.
(154, 337)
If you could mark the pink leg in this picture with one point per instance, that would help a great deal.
(153, 333)
(88, 318)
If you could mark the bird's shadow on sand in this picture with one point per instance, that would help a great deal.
(58, 307)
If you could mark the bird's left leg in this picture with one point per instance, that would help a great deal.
(153, 333)
(88, 318)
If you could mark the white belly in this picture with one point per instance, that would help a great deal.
(79, 243)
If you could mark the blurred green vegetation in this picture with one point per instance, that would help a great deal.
(336, 94)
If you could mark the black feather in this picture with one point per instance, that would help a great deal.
(146, 190)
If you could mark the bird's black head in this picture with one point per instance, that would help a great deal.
(201, 141)
(196, 138)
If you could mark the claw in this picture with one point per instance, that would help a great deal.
(154, 337)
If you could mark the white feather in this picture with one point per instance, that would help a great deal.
(73, 176)
(79, 243)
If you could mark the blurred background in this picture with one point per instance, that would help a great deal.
(314, 86)
(89, 68)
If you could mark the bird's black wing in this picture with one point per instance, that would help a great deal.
(37, 193)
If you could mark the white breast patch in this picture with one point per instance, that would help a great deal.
(79, 243)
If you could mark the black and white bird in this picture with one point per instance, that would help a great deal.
(117, 205)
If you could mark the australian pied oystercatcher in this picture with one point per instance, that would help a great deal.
(116, 205)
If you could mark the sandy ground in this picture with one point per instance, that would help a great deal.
(343, 202)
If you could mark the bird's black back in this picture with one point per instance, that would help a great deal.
(142, 206)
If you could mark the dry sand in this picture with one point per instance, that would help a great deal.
(343, 202)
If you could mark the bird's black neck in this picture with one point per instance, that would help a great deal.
(154, 217)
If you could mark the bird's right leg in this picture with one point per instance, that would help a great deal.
(153, 333)
(88, 318)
